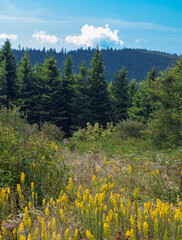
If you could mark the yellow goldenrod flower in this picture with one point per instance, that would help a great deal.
(22, 177)
(47, 212)
(66, 233)
(89, 235)
(29, 237)
(32, 186)
(76, 234)
(145, 229)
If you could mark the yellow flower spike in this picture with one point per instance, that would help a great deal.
(32, 186)
(54, 224)
(128, 234)
(58, 237)
(36, 233)
(29, 205)
(29, 237)
(56, 147)
(139, 227)
(132, 234)
(145, 229)
(44, 202)
(132, 221)
(43, 157)
(136, 193)
(47, 212)
(54, 236)
(66, 233)
(89, 235)
(106, 230)
(94, 178)
(157, 172)
(116, 220)
(18, 188)
(1, 237)
(148, 164)
(76, 234)
(22, 177)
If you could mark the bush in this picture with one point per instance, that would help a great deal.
(37, 157)
(129, 128)
(52, 132)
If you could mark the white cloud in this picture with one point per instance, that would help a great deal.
(5, 36)
(91, 36)
(42, 37)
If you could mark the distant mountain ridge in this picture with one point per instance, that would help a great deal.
(136, 61)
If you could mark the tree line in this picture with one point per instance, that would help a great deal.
(71, 100)
(137, 61)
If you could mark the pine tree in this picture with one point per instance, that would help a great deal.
(3, 86)
(99, 104)
(141, 108)
(67, 114)
(81, 98)
(120, 95)
(27, 86)
(10, 72)
(49, 86)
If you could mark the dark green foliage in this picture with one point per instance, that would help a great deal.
(141, 107)
(3, 85)
(67, 113)
(52, 132)
(27, 86)
(120, 99)
(137, 61)
(129, 128)
(81, 97)
(166, 94)
(8, 69)
(99, 105)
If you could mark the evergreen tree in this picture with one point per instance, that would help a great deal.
(132, 89)
(3, 85)
(120, 95)
(27, 86)
(99, 105)
(49, 86)
(81, 97)
(141, 108)
(166, 99)
(8, 58)
(67, 114)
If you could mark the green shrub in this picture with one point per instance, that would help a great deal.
(129, 128)
(37, 157)
(52, 131)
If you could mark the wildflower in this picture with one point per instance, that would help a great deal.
(22, 177)
(106, 230)
(145, 229)
(66, 233)
(47, 212)
(89, 235)
(76, 234)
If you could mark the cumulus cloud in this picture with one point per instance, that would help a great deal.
(42, 37)
(91, 36)
(5, 36)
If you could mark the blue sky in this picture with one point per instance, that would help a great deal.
(71, 24)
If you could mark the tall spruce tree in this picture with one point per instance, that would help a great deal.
(49, 86)
(3, 85)
(27, 86)
(99, 104)
(10, 72)
(81, 97)
(141, 108)
(67, 114)
(120, 95)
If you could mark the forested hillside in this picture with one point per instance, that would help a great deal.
(136, 61)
